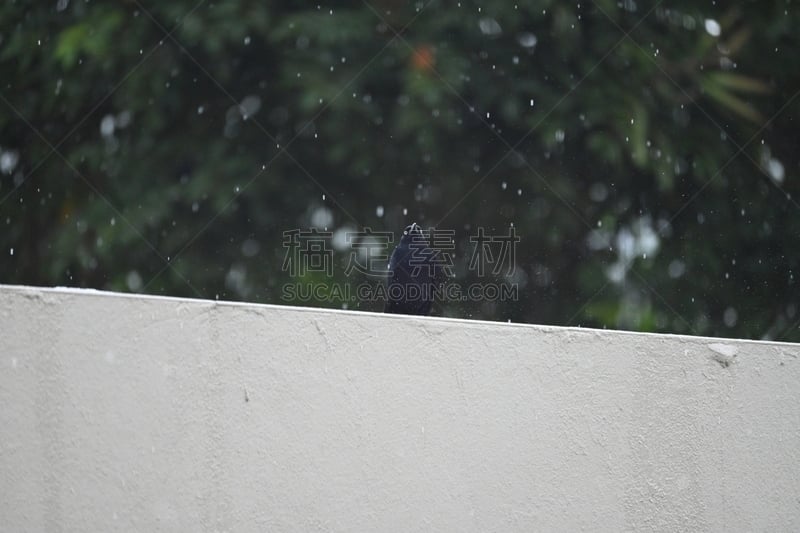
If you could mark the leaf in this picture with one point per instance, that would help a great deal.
(740, 83)
(95, 38)
(734, 103)
(639, 135)
(70, 44)
(602, 145)
(738, 40)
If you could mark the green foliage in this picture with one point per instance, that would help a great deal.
(653, 178)
(93, 38)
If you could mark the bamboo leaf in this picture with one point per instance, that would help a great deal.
(728, 100)
(639, 135)
(738, 82)
(738, 40)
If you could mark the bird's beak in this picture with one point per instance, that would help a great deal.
(413, 229)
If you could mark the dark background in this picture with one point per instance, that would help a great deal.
(646, 153)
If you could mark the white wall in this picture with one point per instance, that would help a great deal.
(121, 412)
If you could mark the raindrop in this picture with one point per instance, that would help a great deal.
(730, 317)
(379, 211)
(776, 170)
(8, 161)
(133, 280)
(250, 247)
(489, 26)
(676, 268)
(249, 106)
(322, 217)
(107, 126)
(598, 192)
(712, 27)
(527, 40)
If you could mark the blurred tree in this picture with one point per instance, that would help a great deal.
(645, 154)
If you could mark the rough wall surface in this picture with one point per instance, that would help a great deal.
(121, 412)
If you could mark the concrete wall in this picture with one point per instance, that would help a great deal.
(122, 412)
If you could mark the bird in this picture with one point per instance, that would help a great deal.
(413, 274)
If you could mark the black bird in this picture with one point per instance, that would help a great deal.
(414, 274)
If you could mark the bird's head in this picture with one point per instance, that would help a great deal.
(413, 228)
(412, 234)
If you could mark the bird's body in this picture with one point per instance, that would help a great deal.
(414, 274)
